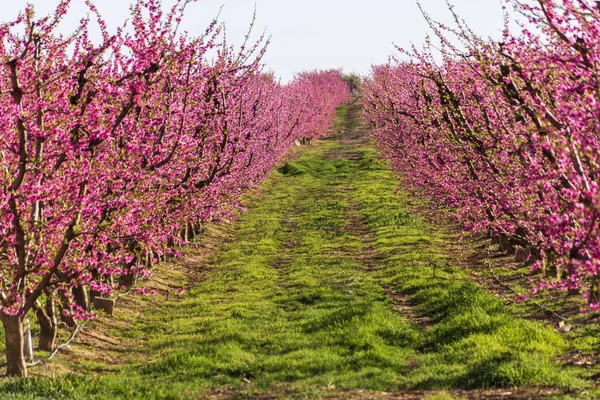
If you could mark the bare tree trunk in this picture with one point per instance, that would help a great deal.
(15, 359)
(48, 325)
(155, 256)
(199, 229)
(170, 243)
(184, 234)
(128, 277)
(127, 280)
(81, 297)
(66, 317)
(189, 228)
(148, 260)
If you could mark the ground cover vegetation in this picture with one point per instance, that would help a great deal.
(326, 287)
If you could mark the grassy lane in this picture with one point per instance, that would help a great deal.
(327, 287)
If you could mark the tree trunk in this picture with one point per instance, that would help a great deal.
(15, 359)
(127, 280)
(66, 317)
(199, 228)
(190, 232)
(157, 257)
(127, 277)
(81, 297)
(506, 245)
(148, 261)
(184, 233)
(48, 326)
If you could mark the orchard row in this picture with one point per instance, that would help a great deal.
(114, 151)
(507, 134)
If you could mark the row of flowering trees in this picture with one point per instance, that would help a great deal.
(110, 150)
(507, 133)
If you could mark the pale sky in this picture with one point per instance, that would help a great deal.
(307, 34)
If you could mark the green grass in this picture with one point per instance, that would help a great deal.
(289, 309)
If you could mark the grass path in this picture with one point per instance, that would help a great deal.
(327, 287)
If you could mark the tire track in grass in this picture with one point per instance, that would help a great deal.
(372, 262)
(351, 137)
